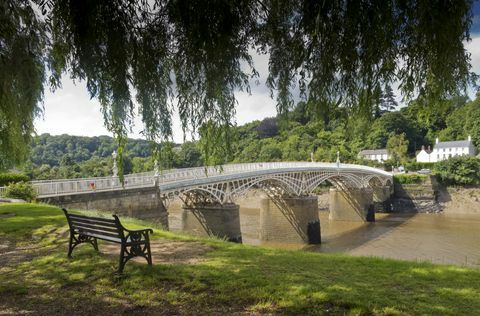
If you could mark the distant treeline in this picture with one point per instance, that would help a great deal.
(318, 130)
(65, 156)
(50, 150)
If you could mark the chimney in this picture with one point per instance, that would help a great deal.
(436, 140)
(429, 149)
(423, 147)
(469, 138)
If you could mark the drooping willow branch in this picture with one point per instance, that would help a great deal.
(191, 56)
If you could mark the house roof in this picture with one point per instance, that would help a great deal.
(455, 143)
(425, 150)
(366, 152)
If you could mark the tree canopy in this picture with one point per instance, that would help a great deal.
(402, 132)
(193, 55)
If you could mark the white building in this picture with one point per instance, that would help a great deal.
(424, 155)
(445, 150)
(379, 155)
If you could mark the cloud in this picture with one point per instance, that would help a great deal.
(473, 47)
(71, 111)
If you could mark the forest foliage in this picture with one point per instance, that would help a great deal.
(294, 136)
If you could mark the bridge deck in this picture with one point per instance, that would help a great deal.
(177, 179)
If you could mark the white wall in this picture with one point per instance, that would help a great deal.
(377, 157)
(439, 154)
(423, 156)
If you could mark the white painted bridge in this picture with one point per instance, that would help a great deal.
(224, 184)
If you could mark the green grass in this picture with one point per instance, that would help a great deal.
(234, 278)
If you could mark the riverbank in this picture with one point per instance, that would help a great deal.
(460, 200)
(224, 278)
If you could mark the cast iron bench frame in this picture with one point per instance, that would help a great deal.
(87, 229)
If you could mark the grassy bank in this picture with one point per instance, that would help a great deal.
(231, 279)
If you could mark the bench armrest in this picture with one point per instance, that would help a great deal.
(148, 230)
(139, 235)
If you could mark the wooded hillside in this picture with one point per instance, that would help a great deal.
(291, 137)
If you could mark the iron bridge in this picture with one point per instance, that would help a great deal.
(226, 183)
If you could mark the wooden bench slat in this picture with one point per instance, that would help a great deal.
(98, 219)
(96, 227)
(103, 237)
(93, 222)
(93, 231)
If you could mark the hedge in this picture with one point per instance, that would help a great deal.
(10, 177)
(21, 190)
(415, 166)
(458, 170)
(409, 178)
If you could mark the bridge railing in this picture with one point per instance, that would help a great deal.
(85, 185)
(91, 185)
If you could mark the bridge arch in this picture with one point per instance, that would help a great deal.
(300, 184)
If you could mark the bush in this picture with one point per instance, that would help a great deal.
(21, 190)
(415, 166)
(10, 177)
(458, 170)
(409, 178)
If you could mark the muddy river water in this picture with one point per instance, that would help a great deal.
(438, 238)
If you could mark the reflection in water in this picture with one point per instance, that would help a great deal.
(438, 238)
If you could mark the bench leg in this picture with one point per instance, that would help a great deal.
(122, 261)
(80, 239)
(70, 246)
(95, 244)
(149, 254)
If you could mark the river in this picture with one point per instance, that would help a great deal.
(438, 238)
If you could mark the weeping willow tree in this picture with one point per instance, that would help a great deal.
(191, 56)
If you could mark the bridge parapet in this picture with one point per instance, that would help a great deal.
(179, 180)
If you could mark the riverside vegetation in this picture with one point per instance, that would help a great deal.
(290, 137)
(37, 277)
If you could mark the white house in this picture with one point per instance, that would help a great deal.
(445, 150)
(424, 155)
(379, 155)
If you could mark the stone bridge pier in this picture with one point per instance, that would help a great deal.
(219, 220)
(381, 198)
(352, 204)
(290, 219)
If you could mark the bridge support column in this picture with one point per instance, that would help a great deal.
(290, 220)
(213, 220)
(352, 205)
(381, 198)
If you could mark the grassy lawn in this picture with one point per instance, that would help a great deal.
(233, 278)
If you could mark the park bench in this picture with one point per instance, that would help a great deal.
(86, 229)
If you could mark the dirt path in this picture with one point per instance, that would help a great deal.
(167, 251)
(163, 251)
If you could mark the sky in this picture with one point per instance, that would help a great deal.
(70, 110)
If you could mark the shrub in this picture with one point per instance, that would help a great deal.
(10, 177)
(409, 178)
(415, 166)
(459, 170)
(21, 190)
